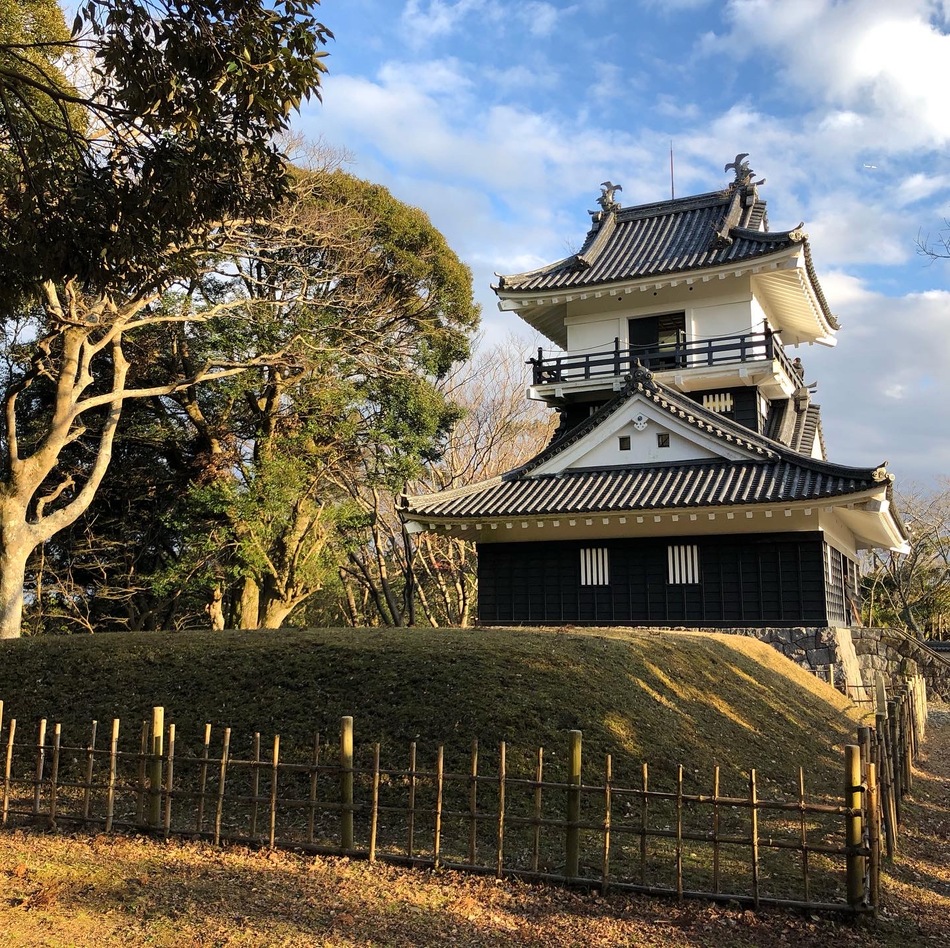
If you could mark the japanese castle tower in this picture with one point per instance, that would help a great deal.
(687, 483)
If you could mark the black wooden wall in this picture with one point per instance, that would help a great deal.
(744, 580)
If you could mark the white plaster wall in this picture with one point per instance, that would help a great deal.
(595, 332)
(643, 449)
(716, 308)
(722, 319)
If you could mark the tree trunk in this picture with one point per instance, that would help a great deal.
(275, 612)
(216, 609)
(250, 604)
(15, 549)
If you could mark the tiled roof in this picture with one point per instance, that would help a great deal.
(668, 237)
(676, 236)
(773, 473)
(714, 484)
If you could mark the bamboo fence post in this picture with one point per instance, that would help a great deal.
(900, 724)
(7, 769)
(874, 839)
(644, 807)
(853, 825)
(113, 768)
(54, 773)
(912, 716)
(804, 831)
(374, 806)
(910, 751)
(411, 828)
(536, 834)
(169, 780)
(572, 841)
(896, 766)
(272, 823)
(500, 855)
(140, 776)
(203, 779)
(155, 768)
(880, 692)
(864, 742)
(920, 701)
(312, 797)
(679, 833)
(40, 764)
(716, 829)
(754, 821)
(90, 764)
(222, 781)
(255, 780)
(605, 866)
(439, 785)
(887, 784)
(473, 804)
(346, 784)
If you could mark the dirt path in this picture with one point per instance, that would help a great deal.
(112, 891)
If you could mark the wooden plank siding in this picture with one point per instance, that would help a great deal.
(748, 580)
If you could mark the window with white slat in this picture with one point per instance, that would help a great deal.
(595, 566)
(682, 563)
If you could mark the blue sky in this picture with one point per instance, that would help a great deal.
(500, 118)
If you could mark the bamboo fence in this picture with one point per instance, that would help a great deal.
(561, 826)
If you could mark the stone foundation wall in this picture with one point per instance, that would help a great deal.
(815, 649)
(897, 654)
(857, 654)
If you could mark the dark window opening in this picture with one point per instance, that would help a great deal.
(658, 341)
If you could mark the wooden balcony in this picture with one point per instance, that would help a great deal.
(683, 354)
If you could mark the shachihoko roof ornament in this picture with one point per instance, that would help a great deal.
(606, 199)
(744, 173)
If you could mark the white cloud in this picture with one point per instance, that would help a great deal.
(920, 187)
(880, 68)
(426, 20)
(540, 18)
(846, 229)
(883, 388)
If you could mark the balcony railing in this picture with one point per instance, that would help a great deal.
(682, 354)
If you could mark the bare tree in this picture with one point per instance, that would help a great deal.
(935, 248)
(913, 590)
(390, 572)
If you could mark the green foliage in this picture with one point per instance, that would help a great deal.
(124, 183)
(346, 307)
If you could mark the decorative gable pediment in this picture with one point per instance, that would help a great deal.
(641, 432)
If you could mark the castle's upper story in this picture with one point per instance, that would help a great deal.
(697, 289)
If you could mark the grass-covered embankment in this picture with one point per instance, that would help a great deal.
(666, 697)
